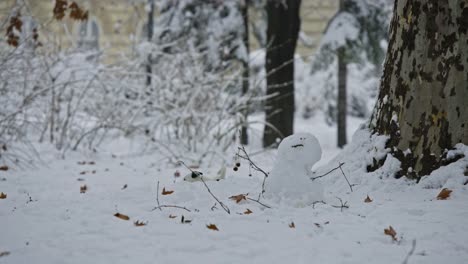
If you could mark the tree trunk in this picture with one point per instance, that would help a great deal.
(245, 73)
(342, 106)
(282, 34)
(150, 37)
(424, 89)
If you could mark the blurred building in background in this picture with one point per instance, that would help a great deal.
(115, 27)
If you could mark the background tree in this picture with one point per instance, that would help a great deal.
(282, 33)
(354, 35)
(424, 90)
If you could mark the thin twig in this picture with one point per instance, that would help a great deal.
(332, 170)
(318, 177)
(246, 156)
(170, 206)
(257, 201)
(410, 253)
(220, 203)
(157, 197)
(349, 184)
(342, 206)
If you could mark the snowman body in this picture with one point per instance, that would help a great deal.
(289, 181)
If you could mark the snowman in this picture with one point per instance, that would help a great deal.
(289, 181)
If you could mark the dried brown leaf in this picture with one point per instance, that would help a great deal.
(83, 188)
(444, 194)
(59, 9)
(77, 13)
(212, 227)
(122, 216)
(4, 168)
(292, 225)
(391, 232)
(368, 199)
(238, 198)
(248, 211)
(140, 223)
(164, 192)
(3, 196)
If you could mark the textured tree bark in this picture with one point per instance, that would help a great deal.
(342, 106)
(282, 34)
(423, 97)
(245, 73)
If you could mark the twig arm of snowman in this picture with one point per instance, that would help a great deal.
(252, 164)
(332, 170)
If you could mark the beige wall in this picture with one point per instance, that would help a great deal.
(120, 24)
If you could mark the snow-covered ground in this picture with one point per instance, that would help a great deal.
(45, 218)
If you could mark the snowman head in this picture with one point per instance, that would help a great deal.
(301, 149)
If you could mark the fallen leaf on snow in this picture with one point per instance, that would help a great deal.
(391, 232)
(4, 253)
(444, 194)
(83, 188)
(3, 196)
(164, 192)
(139, 223)
(4, 168)
(292, 225)
(238, 198)
(122, 216)
(212, 227)
(368, 199)
(248, 211)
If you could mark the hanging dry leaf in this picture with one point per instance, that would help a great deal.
(139, 223)
(368, 199)
(391, 232)
(4, 168)
(83, 188)
(3, 196)
(164, 192)
(248, 211)
(172, 216)
(238, 198)
(59, 9)
(292, 225)
(122, 216)
(212, 227)
(15, 24)
(444, 194)
(77, 13)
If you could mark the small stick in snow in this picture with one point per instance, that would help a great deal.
(157, 197)
(204, 183)
(170, 206)
(410, 253)
(220, 203)
(343, 205)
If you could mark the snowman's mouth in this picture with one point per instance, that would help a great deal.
(296, 146)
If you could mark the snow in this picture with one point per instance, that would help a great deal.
(45, 218)
(290, 176)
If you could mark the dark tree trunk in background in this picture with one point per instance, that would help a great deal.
(282, 34)
(245, 73)
(423, 100)
(150, 37)
(342, 106)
